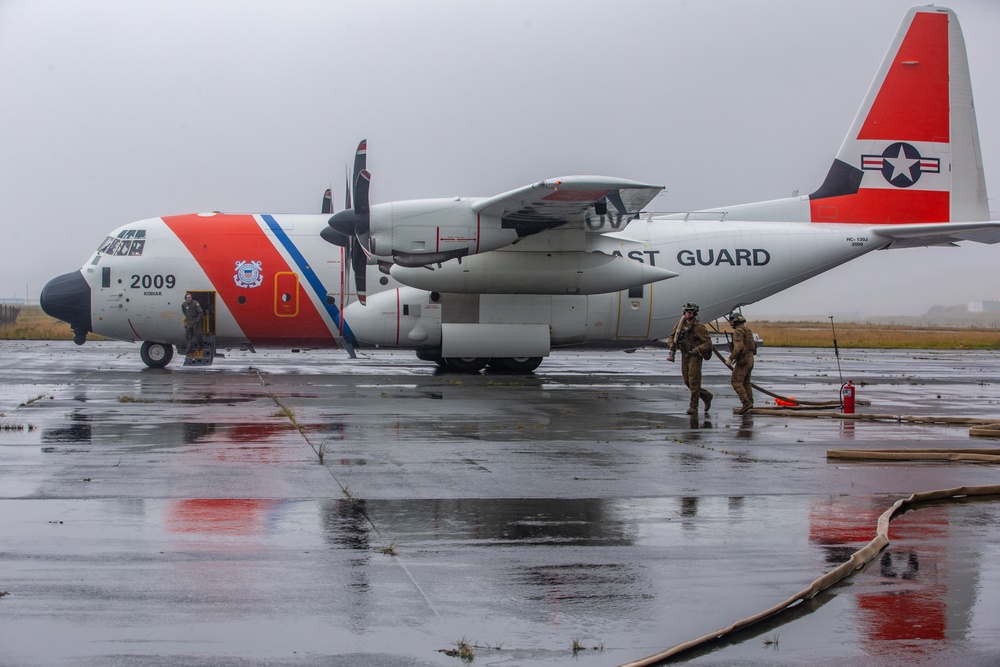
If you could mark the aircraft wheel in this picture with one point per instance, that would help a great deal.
(467, 364)
(424, 355)
(515, 364)
(156, 355)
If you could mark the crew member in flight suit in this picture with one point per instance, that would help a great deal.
(193, 313)
(691, 337)
(741, 360)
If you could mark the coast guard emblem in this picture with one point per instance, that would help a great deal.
(248, 274)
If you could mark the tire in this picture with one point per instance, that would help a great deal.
(426, 355)
(466, 364)
(515, 364)
(156, 355)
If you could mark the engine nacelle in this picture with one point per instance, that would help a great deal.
(514, 272)
(427, 231)
(401, 317)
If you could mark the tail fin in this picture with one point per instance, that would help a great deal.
(912, 154)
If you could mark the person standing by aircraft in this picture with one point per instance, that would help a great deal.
(193, 312)
(691, 337)
(741, 360)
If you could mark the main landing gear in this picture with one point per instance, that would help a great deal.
(476, 364)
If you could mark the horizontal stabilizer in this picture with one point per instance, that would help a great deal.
(924, 234)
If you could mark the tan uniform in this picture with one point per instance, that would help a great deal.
(741, 359)
(692, 339)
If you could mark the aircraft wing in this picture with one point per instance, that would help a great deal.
(577, 200)
(946, 233)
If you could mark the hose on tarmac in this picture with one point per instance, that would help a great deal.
(980, 427)
(987, 427)
(980, 455)
(787, 399)
(856, 561)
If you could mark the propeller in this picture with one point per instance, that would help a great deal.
(349, 228)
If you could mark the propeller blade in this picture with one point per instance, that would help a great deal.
(327, 202)
(347, 189)
(365, 242)
(336, 237)
(353, 221)
(361, 187)
(360, 162)
(359, 262)
(349, 228)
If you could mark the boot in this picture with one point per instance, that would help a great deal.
(745, 408)
(708, 400)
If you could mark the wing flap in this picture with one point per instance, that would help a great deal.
(572, 200)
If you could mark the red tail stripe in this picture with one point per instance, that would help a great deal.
(913, 102)
(881, 206)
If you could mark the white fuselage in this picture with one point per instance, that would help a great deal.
(275, 282)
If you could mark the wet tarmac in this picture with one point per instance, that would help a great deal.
(305, 509)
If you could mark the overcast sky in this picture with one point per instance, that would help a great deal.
(117, 110)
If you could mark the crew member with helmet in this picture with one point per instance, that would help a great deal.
(741, 361)
(691, 337)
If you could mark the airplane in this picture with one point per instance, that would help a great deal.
(468, 282)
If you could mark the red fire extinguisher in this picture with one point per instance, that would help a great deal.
(847, 397)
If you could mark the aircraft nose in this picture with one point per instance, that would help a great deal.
(67, 298)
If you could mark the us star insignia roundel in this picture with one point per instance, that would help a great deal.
(901, 164)
(248, 274)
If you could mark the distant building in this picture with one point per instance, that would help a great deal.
(983, 306)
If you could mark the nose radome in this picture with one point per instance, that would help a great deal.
(67, 298)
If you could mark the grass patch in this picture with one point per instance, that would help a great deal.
(125, 398)
(348, 493)
(32, 400)
(462, 650)
(880, 336)
(33, 324)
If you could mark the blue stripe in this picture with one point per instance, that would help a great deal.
(310, 276)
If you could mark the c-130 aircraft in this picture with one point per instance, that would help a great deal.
(468, 282)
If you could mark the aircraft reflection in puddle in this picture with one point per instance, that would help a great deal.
(916, 592)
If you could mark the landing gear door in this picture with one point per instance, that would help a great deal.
(634, 312)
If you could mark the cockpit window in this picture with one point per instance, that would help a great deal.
(130, 242)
